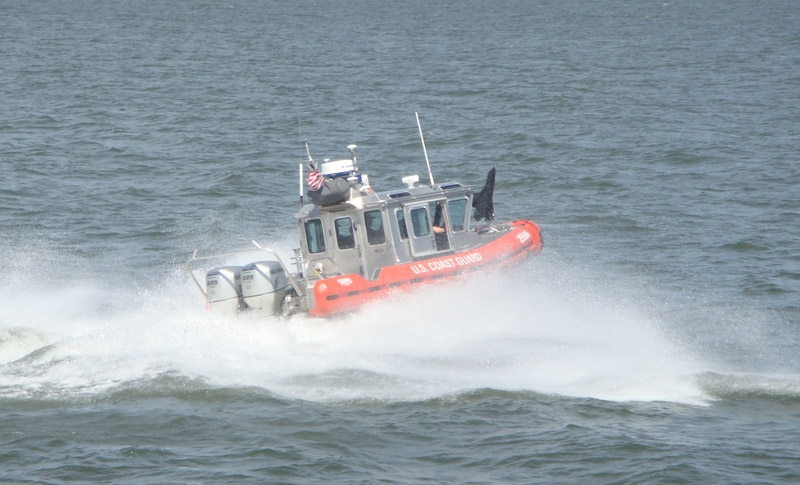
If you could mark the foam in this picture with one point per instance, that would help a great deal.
(511, 331)
(542, 327)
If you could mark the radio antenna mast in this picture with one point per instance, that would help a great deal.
(424, 150)
(300, 136)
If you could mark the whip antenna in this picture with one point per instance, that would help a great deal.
(424, 150)
(300, 136)
(301, 185)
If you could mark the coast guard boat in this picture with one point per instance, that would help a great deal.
(358, 244)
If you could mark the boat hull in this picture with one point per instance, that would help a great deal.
(348, 292)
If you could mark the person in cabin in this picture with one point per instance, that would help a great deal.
(440, 229)
(373, 221)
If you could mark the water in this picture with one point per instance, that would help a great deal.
(653, 340)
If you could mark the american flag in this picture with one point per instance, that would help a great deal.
(315, 180)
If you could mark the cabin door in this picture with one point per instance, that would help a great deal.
(420, 234)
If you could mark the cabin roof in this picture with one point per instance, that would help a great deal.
(399, 195)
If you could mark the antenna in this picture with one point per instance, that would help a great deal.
(300, 136)
(352, 149)
(424, 150)
(301, 185)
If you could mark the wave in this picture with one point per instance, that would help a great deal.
(533, 329)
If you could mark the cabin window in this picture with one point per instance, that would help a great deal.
(419, 222)
(345, 239)
(315, 236)
(457, 210)
(401, 222)
(373, 222)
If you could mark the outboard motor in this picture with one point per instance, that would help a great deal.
(224, 289)
(264, 285)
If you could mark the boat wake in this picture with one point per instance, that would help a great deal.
(506, 331)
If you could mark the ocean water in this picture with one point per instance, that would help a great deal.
(654, 340)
